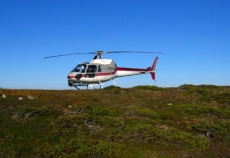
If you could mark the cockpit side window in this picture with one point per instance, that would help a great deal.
(91, 68)
(79, 68)
(99, 68)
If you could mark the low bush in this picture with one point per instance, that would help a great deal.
(146, 87)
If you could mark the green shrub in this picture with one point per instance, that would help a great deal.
(219, 131)
(101, 111)
(153, 88)
(202, 110)
(223, 98)
(113, 89)
(85, 148)
(148, 133)
(33, 112)
(149, 113)
(188, 87)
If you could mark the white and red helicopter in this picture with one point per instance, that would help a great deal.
(101, 70)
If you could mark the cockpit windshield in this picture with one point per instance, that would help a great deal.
(79, 68)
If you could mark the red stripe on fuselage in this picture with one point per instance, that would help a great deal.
(105, 73)
(71, 77)
(114, 72)
(119, 69)
(129, 69)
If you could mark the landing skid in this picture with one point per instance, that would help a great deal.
(88, 85)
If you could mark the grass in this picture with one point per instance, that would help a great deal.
(141, 122)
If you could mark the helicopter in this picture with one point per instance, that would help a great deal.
(100, 70)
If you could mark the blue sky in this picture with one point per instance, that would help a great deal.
(193, 35)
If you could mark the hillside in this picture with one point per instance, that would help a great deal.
(139, 122)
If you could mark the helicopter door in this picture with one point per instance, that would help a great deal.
(91, 70)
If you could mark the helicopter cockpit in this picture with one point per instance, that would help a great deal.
(79, 68)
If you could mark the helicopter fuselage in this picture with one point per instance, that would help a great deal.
(102, 70)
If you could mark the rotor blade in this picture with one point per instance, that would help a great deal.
(67, 55)
(129, 51)
(101, 52)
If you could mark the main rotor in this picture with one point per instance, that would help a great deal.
(100, 52)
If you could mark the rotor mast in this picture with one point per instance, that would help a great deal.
(99, 54)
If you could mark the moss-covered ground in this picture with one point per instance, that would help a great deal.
(138, 122)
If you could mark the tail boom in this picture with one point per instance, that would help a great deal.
(121, 71)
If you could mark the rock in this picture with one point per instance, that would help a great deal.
(169, 103)
(80, 111)
(209, 134)
(162, 127)
(30, 97)
(20, 98)
(3, 96)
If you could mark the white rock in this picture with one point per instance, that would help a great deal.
(20, 98)
(3, 96)
(30, 97)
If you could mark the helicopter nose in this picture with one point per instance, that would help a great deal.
(71, 77)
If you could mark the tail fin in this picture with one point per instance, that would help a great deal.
(153, 75)
(152, 69)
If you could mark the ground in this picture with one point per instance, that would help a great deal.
(142, 122)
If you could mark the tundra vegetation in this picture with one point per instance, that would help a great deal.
(138, 122)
